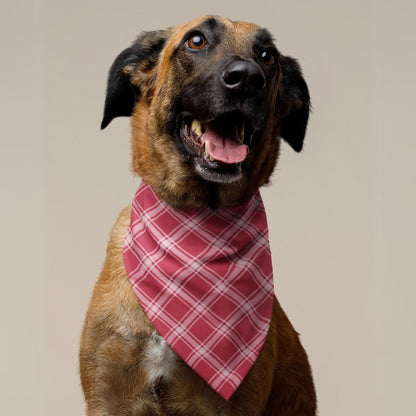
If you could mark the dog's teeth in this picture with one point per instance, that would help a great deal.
(196, 127)
(241, 133)
(207, 155)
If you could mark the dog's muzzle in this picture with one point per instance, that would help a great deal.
(217, 133)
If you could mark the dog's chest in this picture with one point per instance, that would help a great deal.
(160, 364)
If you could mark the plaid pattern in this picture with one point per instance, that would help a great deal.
(204, 279)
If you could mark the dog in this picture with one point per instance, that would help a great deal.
(227, 77)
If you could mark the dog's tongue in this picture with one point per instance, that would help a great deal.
(226, 147)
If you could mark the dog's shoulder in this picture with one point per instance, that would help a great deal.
(119, 230)
(113, 282)
(113, 278)
(114, 304)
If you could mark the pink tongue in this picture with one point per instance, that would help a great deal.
(224, 149)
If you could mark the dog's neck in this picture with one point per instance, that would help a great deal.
(194, 192)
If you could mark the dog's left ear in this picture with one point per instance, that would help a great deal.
(130, 74)
(294, 103)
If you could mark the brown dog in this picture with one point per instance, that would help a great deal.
(208, 72)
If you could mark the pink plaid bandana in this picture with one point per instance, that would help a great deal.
(205, 280)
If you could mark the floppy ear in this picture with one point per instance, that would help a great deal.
(294, 103)
(136, 62)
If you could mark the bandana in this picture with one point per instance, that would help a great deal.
(204, 278)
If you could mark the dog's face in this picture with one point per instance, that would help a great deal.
(209, 100)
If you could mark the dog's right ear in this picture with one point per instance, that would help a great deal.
(136, 62)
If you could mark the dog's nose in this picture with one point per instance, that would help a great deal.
(243, 76)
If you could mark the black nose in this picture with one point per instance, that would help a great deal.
(243, 76)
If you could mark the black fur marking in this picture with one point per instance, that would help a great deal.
(211, 23)
(263, 38)
(207, 98)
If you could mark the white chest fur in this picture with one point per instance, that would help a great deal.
(159, 359)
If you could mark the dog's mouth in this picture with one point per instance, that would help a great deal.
(218, 147)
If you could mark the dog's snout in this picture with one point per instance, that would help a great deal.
(243, 76)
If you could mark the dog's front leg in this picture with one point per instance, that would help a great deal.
(114, 340)
(114, 381)
(293, 391)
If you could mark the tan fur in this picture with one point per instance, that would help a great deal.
(117, 331)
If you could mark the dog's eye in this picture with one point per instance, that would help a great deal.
(196, 42)
(267, 56)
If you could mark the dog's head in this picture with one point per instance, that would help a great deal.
(209, 101)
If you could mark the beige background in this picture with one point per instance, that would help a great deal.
(341, 213)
